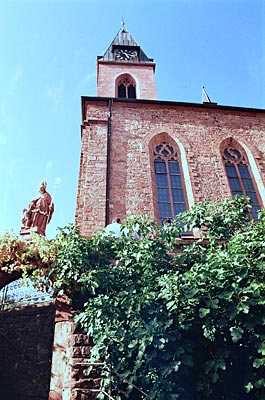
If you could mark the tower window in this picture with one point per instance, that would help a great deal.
(126, 87)
(240, 178)
(171, 196)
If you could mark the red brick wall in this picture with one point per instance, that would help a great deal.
(91, 202)
(26, 339)
(199, 131)
(70, 379)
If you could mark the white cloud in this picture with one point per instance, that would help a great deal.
(4, 117)
(15, 79)
(18, 73)
(58, 180)
(55, 94)
(48, 164)
(90, 76)
(3, 140)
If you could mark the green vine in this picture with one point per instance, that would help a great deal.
(170, 320)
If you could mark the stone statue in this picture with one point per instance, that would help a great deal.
(39, 212)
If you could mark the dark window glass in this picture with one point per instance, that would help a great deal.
(238, 192)
(231, 171)
(178, 195)
(253, 197)
(254, 211)
(165, 153)
(173, 167)
(179, 208)
(248, 185)
(122, 91)
(244, 172)
(175, 180)
(164, 210)
(131, 92)
(161, 181)
(163, 194)
(160, 167)
(235, 184)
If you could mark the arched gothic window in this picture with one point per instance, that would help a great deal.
(171, 195)
(239, 176)
(126, 88)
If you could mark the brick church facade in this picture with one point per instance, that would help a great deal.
(141, 155)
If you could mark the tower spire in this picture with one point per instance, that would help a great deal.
(123, 29)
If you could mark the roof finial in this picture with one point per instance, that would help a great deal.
(205, 97)
(123, 29)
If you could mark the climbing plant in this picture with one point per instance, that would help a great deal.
(170, 320)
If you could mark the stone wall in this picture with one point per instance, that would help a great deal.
(86, 376)
(73, 377)
(26, 340)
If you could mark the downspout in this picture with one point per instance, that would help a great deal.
(108, 165)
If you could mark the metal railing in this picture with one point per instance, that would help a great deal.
(22, 293)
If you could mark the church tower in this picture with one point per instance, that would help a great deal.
(143, 156)
(125, 71)
(124, 74)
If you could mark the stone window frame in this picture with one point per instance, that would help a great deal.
(128, 82)
(234, 157)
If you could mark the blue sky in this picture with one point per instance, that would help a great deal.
(48, 61)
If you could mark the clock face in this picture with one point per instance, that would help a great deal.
(126, 54)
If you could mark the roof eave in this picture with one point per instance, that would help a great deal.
(174, 103)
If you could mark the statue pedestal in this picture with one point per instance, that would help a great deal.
(26, 232)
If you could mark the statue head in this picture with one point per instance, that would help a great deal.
(43, 187)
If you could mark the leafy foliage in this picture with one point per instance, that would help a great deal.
(171, 320)
(17, 254)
